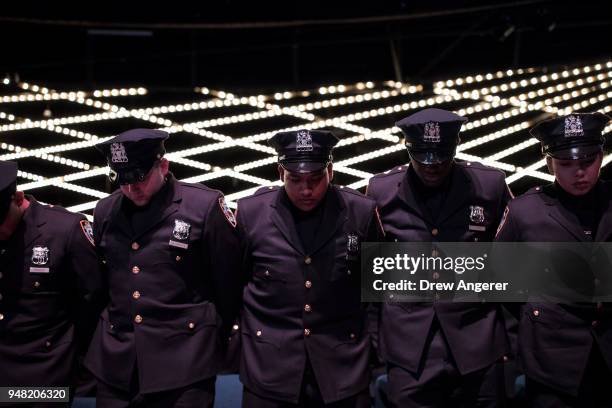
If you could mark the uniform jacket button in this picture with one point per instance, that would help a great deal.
(191, 325)
(136, 294)
(258, 333)
(307, 308)
(536, 312)
(1, 316)
(135, 246)
(267, 273)
(506, 358)
(47, 343)
(138, 319)
(306, 332)
(37, 284)
(178, 258)
(235, 327)
(307, 260)
(594, 323)
(135, 270)
(352, 336)
(434, 232)
(308, 284)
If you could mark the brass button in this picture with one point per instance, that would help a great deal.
(267, 273)
(178, 258)
(506, 358)
(235, 327)
(594, 323)
(258, 333)
(135, 270)
(307, 260)
(1, 316)
(306, 332)
(135, 246)
(434, 232)
(47, 344)
(308, 284)
(37, 284)
(352, 336)
(348, 272)
(307, 308)
(536, 312)
(191, 325)
(436, 275)
(136, 294)
(138, 319)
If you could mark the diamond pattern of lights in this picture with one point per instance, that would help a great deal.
(219, 138)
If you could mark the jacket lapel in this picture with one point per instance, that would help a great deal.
(283, 220)
(334, 217)
(461, 191)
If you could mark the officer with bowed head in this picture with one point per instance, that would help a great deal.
(566, 349)
(435, 356)
(48, 289)
(173, 283)
(305, 340)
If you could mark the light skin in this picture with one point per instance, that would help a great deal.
(306, 190)
(576, 177)
(19, 204)
(141, 193)
(432, 175)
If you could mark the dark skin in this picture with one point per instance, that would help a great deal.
(432, 175)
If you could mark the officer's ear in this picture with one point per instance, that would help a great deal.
(18, 198)
(549, 165)
(281, 173)
(164, 165)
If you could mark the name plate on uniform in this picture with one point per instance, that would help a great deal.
(477, 227)
(34, 269)
(177, 244)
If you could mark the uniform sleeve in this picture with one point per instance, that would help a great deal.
(375, 234)
(507, 230)
(91, 290)
(221, 249)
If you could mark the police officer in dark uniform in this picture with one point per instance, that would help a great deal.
(169, 249)
(304, 335)
(566, 349)
(48, 268)
(441, 354)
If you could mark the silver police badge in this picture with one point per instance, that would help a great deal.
(118, 154)
(352, 243)
(40, 256)
(573, 126)
(477, 217)
(431, 133)
(303, 142)
(180, 232)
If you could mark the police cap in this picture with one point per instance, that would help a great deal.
(304, 151)
(431, 135)
(132, 154)
(571, 137)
